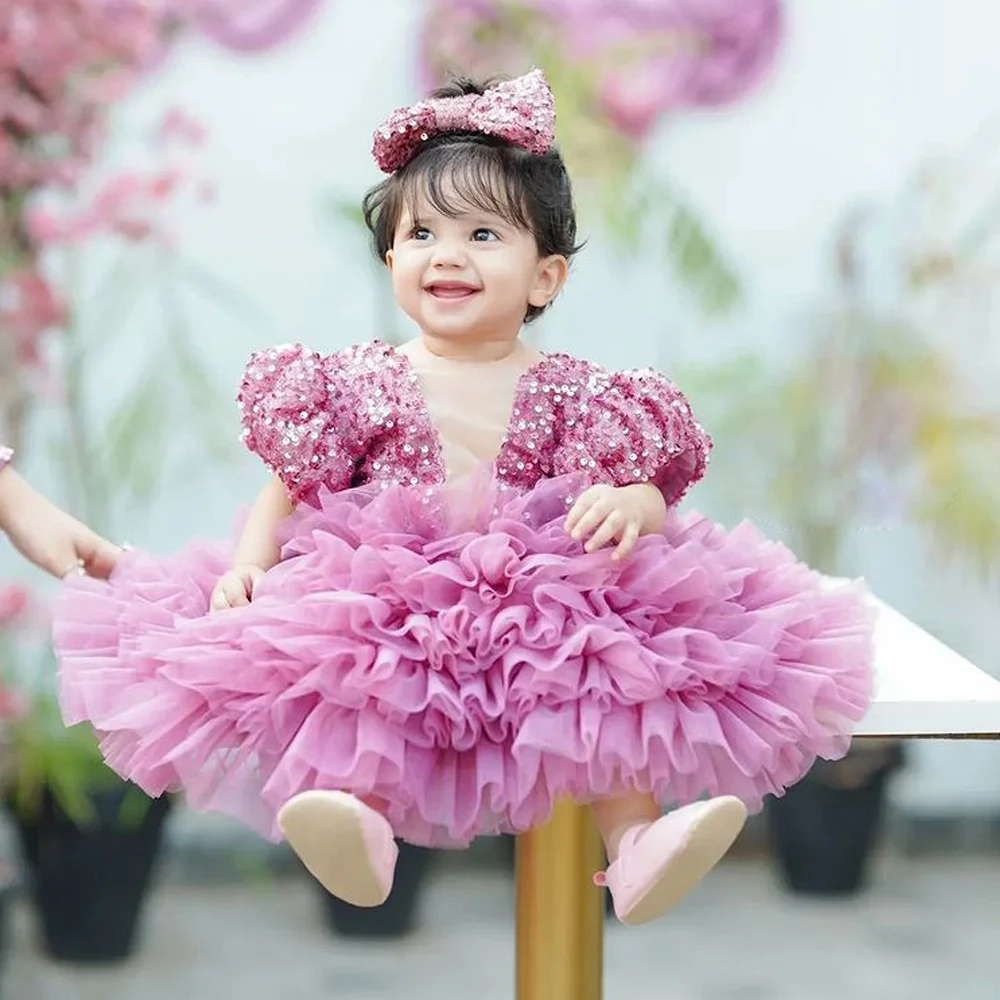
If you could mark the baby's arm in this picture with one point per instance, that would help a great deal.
(645, 449)
(302, 416)
(257, 550)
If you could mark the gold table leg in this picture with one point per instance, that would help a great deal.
(560, 913)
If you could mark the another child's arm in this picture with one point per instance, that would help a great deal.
(257, 550)
(46, 535)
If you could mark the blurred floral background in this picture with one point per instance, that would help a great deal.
(791, 208)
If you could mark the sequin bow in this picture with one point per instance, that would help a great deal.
(521, 111)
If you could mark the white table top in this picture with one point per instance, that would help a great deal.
(924, 688)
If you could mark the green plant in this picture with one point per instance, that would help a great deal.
(63, 763)
(619, 190)
(870, 418)
(115, 446)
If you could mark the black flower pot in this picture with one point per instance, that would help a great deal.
(8, 888)
(825, 829)
(89, 882)
(397, 916)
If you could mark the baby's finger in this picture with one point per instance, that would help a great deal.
(591, 520)
(218, 601)
(236, 593)
(573, 517)
(627, 542)
(609, 529)
(584, 502)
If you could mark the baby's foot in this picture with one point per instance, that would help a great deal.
(659, 863)
(346, 845)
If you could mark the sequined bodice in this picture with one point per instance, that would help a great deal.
(360, 416)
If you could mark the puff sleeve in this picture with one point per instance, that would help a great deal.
(634, 427)
(299, 417)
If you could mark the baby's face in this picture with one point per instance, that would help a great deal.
(471, 276)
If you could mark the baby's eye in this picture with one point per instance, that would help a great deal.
(420, 233)
(484, 235)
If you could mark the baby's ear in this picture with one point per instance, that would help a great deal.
(388, 259)
(549, 280)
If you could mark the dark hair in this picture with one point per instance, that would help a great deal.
(459, 170)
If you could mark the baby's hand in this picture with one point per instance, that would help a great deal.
(608, 514)
(235, 588)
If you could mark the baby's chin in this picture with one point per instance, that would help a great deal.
(466, 328)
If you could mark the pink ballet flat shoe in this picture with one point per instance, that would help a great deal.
(347, 846)
(659, 863)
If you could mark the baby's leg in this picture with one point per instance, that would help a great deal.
(347, 845)
(615, 816)
(655, 860)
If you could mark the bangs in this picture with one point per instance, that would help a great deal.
(463, 179)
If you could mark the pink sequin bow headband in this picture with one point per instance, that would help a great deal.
(520, 111)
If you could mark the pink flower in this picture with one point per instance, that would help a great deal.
(163, 184)
(133, 230)
(644, 58)
(63, 64)
(13, 704)
(253, 25)
(50, 384)
(29, 308)
(43, 226)
(15, 601)
(178, 124)
(128, 205)
(635, 98)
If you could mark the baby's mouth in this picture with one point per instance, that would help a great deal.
(451, 290)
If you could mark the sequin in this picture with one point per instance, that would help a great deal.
(520, 111)
(358, 416)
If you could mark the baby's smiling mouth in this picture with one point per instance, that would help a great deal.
(451, 289)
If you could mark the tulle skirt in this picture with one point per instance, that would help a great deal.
(454, 657)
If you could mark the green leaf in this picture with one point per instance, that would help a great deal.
(119, 293)
(958, 500)
(227, 296)
(214, 408)
(698, 263)
(50, 757)
(349, 211)
(137, 434)
(134, 808)
(626, 214)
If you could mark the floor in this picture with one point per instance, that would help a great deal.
(929, 929)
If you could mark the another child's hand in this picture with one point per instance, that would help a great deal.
(605, 514)
(49, 537)
(235, 588)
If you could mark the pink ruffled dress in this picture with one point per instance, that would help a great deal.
(434, 641)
